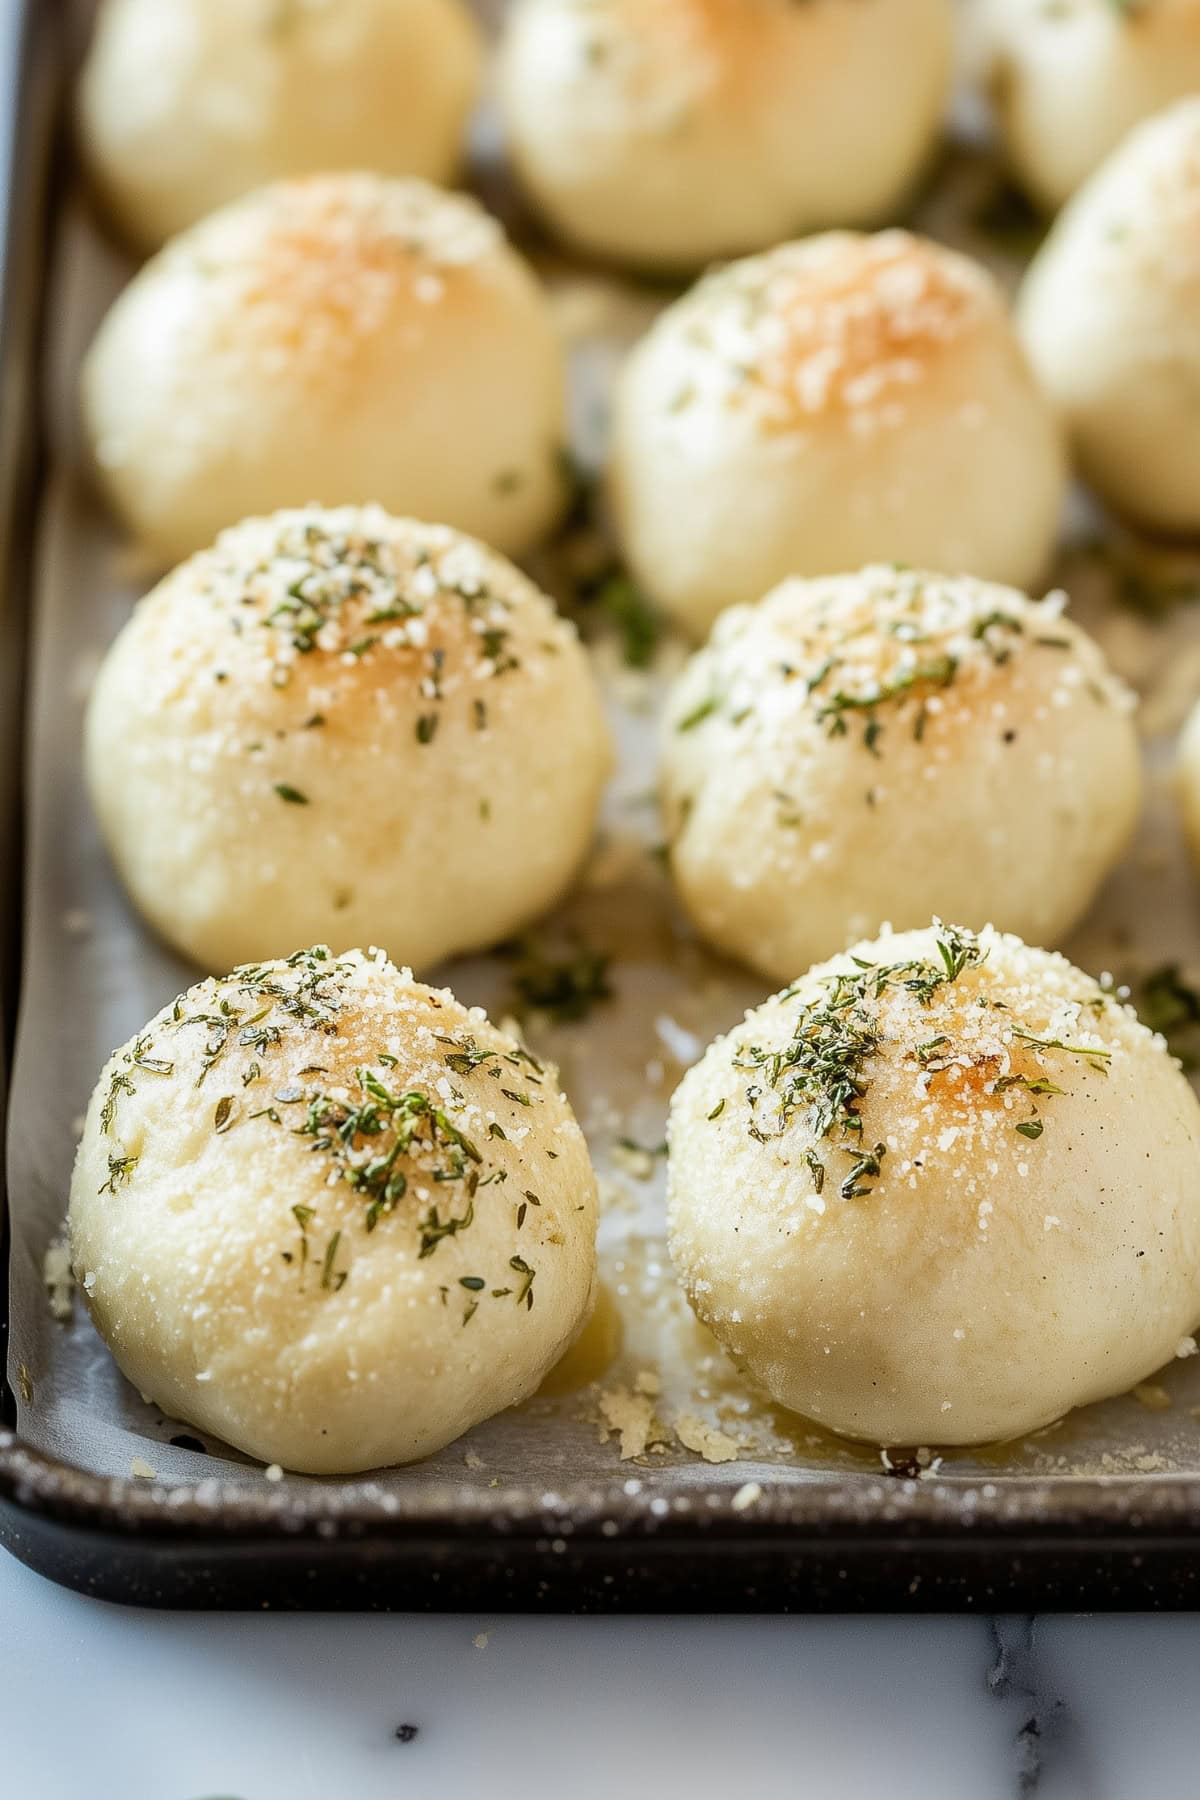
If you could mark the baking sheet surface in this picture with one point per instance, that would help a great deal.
(649, 1397)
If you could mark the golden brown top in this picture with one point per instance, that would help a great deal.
(322, 262)
(933, 1045)
(731, 39)
(837, 324)
(315, 620)
(887, 655)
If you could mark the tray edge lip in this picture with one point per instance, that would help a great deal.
(32, 87)
(1134, 1509)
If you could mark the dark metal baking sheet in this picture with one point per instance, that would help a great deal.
(538, 1518)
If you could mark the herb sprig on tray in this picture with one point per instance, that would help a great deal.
(565, 983)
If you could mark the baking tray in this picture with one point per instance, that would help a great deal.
(533, 1510)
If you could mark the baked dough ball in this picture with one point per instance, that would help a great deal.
(831, 403)
(344, 338)
(865, 748)
(185, 104)
(1072, 78)
(330, 1214)
(1110, 316)
(669, 132)
(939, 1192)
(343, 725)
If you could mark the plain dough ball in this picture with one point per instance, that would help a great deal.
(343, 725)
(938, 1199)
(670, 132)
(869, 748)
(344, 338)
(185, 104)
(836, 402)
(1071, 78)
(311, 1215)
(1110, 317)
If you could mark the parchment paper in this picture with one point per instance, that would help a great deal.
(93, 975)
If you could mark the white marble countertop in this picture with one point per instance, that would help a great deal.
(101, 1703)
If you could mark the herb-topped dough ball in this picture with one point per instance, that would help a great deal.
(339, 724)
(330, 1214)
(867, 748)
(1072, 78)
(833, 402)
(1110, 317)
(347, 338)
(939, 1191)
(670, 132)
(185, 104)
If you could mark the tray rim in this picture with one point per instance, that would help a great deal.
(1033, 1510)
(30, 94)
(1126, 1514)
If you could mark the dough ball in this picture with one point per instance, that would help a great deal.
(1110, 316)
(343, 725)
(669, 132)
(344, 338)
(185, 104)
(867, 748)
(939, 1192)
(834, 402)
(331, 1215)
(1072, 78)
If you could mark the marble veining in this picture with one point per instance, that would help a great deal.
(1049, 1745)
(105, 1703)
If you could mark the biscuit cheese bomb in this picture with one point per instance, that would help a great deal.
(337, 723)
(185, 104)
(834, 402)
(939, 1191)
(868, 747)
(1072, 78)
(669, 132)
(330, 1215)
(1110, 316)
(345, 337)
